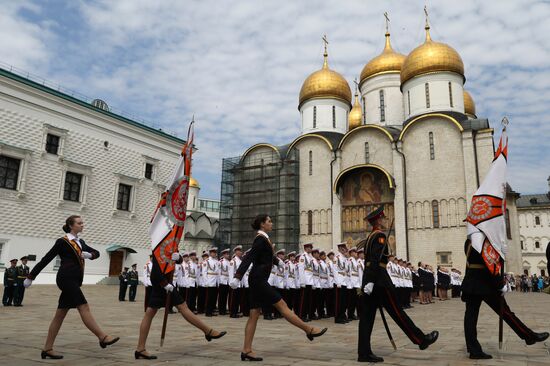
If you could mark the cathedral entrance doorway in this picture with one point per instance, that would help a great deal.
(361, 190)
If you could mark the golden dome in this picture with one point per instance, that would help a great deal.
(431, 57)
(388, 61)
(325, 83)
(469, 105)
(193, 183)
(355, 117)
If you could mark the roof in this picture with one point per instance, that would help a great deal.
(57, 93)
(200, 235)
(533, 200)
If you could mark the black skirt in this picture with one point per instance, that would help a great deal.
(71, 294)
(157, 299)
(262, 294)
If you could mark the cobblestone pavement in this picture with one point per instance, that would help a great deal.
(23, 331)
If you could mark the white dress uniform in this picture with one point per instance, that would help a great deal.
(323, 274)
(233, 266)
(340, 271)
(360, 268)
(316, 276)
(355, 282)
(191, 274)
(330, 270)
(147, 274)
(272, 276)
(224, 272)
(290, 275)
(305, 269)
(392, 271)
(179, 275)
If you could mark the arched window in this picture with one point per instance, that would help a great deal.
(450, 94)
(409, 100)
(435, 213)
(382, 107)
(314, 116)
(522, 245)
(427, 90)
(537, 220)
(432, 148)
(310, 162)
(364, 111)
(309, 222)
(508, 227)
(537, 245)
(367, 154)
(333, 117)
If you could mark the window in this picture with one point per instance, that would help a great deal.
(432, 148)
(1, 250)
(444, 258)
(522, 246)
(537, 220)
(52, 144)
(262, 172)
(435, 213)
(367, 157)
(364, 111)
(315, 117)
(450, 94)
(333, 117)
(9, 172)
(537, 245)
(123, 199)
(508, 227)
(427, 89)
(382, 107)
(148, 171)
(409, 100)
(309, 222)
(310, 162)
(73, 182)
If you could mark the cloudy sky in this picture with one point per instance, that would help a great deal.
(239, 65)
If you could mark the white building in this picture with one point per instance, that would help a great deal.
(61, 156)
(534, 230)
(411, 141)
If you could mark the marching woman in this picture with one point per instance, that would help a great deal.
(161, 287)
(262, 257)
(73, 251)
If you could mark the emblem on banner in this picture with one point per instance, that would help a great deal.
(484, 208)
(177, 201)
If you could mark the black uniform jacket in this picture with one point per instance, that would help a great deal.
(157, 277)
(72, 266)
(262, 256)
(376, 259)
(478, 280)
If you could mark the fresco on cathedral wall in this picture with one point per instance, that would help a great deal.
(362, 191)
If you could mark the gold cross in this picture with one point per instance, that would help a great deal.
(356, 84)
(426, 12)
(325, 41)
(387, 21)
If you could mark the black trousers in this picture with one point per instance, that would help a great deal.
(234, 301)
(7, 298)
(305, 302)
(473, 303)
(191, 298)
(18, 293)
(201, 299)
(122, 292)
(245, 301)
(132, 293)
(352, 302)
(386, 298)
(321, 303)
(211, 297)
(288, 296)
(329, 299)
(222, 299)
(341, 303)
(296, 299)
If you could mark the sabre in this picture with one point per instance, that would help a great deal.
(167, 307)
(501, 312)
(386, 326)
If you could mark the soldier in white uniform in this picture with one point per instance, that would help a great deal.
(290, 280)
(180, 275)
(360, 270)
(201, 281)
(191, 275)
(245, 305)
(316, 293)
(147, 280)
(279, 282)
(235, 294)
(211, 269)
(223, 287)
(324, 282)
(340, 272)
(355, 283)
(305, 273)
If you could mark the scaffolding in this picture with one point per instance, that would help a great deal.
(258, 183)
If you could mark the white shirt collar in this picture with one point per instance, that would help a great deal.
(75, 238)
(261, 232)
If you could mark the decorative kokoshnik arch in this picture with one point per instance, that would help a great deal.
(346, 171)
(426, 116)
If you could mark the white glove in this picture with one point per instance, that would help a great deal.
(27, 283)
(175, 256)
(504, 290)
(235, 282)
(86, 255)
(368, 288)
(169, 288)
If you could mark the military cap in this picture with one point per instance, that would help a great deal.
(353, 249)
(344, 244)
(315, 250)
(185, 254)
(24, 258)
(360, 250)
(13, 260)
(238, 247)
(191, 253)
(281, 251)
(126, 268)
(375, 214)
(330, 253)
(134, 265)
(213, 249)
(307, 245)
(292, 253)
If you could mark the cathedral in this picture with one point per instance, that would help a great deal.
(409, 139)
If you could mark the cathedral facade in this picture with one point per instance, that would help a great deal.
(409, 139)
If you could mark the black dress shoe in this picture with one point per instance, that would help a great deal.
(139, 354)
(235, 316)
(370, 358)
(340, 321)
(104, 344)
(537, 337)
(47, 354)
(247, 357)
(429, 339)
(353, 317)
(209, 336)
(311, 335)
(268, 317)
(480, 356)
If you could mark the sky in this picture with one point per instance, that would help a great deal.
(238, 66)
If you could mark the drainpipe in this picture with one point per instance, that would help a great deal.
(404, 198)
(331, 177)
(474, 134)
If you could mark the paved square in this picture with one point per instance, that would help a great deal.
(23, 331)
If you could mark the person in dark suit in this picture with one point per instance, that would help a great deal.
(161, 288)
(10, 283)
(133, 281)
(548, 258)
(379, 291)
(480, 285)
(122, 284)
(262, 257)
(22, 273)
(73, 251)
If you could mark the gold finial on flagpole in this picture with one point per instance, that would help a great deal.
(505, 122)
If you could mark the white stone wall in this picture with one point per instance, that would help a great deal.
(324, 121)
(533, 258)
(380, 148)
(393, 99)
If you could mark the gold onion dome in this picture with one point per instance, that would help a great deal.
(193, 183)
(388, 61)
(325, 83)
(431, 57)
(355, 116)
(469, 105)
